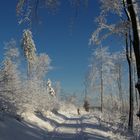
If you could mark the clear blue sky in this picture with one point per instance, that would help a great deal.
(67, 47)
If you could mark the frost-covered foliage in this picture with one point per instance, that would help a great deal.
(28, 10)
(125, 15)
(110, 67)
(50, 88)
(114, 6)
(117, 121)
(19, 93)
(101, 64)
(37, 96)
(41, 66)
(28, 46)
(105, 26)
(11, 51)
(113, 104)
(38, 65)
(57, 88)
(118, 10)
(10, 82)
(36, 87)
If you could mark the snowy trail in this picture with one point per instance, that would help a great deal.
(65, 127)
(79, 128)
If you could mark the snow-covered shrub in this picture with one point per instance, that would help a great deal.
(86, 105)
(111, 103)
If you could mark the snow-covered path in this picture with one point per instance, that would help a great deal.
(65, 127)
(75, 127)
(79, 128)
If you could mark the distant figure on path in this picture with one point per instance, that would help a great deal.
(78, 111)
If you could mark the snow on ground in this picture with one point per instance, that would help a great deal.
(55, 126)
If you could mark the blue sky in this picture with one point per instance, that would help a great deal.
(67, 46)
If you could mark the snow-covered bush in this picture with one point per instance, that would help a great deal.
(86, 105)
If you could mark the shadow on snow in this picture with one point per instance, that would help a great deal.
(24, 131)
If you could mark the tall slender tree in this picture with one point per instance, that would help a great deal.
(29, 49)
(100, 73)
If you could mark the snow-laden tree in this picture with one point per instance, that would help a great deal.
(36, 86)
(29, 49)
(10, 82)
(99, 77)
(111, 67)
(11, 51)
(28, 10)
(127, 25)
(34, 94)
(38, 67)
(119, 72)
(41, 66)
(37, 96)
(50, 88)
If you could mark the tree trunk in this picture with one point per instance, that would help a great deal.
(131, 97)
(28, 70)
(136, 92)
(101, 91)
(101, 74)
(136, 45)
(131, 91)
(119, 82)
(135, 37)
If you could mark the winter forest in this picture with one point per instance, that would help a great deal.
(70, 70)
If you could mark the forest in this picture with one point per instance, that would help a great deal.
(85, 85)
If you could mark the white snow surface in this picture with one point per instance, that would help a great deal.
(55, 126)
